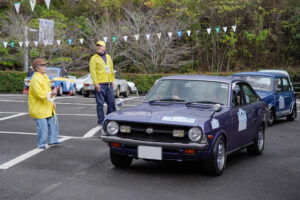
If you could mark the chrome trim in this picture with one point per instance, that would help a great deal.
(191, 145)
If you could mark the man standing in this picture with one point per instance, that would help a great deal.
(30, 71)
(41, 106)
(102, 73)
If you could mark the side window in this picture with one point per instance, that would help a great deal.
(286, 84)
(237, 98)
(250, 96)
(278, 85)
(117, 75)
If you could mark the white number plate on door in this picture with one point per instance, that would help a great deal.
(146, 152)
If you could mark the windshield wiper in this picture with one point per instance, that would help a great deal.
(167, 99)
(205, 102)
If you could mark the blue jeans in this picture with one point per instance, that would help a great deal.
(106, 95)
(47, 130)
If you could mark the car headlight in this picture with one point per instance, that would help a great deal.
(195, 134)
(112, 128)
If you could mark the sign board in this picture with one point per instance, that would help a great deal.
(46, 31)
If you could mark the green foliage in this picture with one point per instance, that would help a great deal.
(12, 82)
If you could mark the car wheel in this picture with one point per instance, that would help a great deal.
(216, 162)
(81, 91)
(119, 160)
(60, 91)
(271, 117)
(127, 93)
(74, 90)
(259, 143)
(87, 94)
(118, 92)
(293, 115)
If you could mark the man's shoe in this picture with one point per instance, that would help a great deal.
(42, 147)
(55, 144)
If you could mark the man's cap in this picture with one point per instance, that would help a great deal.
(38, 61)
(101, 43)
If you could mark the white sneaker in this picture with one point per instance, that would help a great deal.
(100, 127)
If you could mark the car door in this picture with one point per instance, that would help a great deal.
(288, 95)
(279, 97)
(119, 82)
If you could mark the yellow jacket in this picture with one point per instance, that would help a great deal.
(38, 105)
(98, 71)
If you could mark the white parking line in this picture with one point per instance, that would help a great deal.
(63, 98)
(91, 132)
(11, 95)
(25, 156)
(26, 133)
(12, 116)
(62, 114)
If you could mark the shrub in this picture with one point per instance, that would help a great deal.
(12, 81)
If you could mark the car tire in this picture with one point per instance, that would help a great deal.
(127, 93)
(118, 92)
(272, 117)
(74, 90)
(87, 94)
(119, 160)
(216, 162)
(60, 91)
(293, 115)
(259, 142)
(81, 91)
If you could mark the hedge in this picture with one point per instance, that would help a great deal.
(13, 81)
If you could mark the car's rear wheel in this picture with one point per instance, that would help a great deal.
(86, 94)
(127, 93)
(119, 160)
(74, 90)
(259, 142)
(81, 91)
(118, 92)
(216, 162)
(271, 117)
(60, 91)
(293, 115)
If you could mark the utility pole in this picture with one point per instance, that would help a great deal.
(26, 50)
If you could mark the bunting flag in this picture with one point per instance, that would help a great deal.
(32, 4)
(218, 30)
(12, 43)
(158, 35)
(20, 44)
(179, 33)
(48, 3)
(225, 29)
(17, 6)
(81, 40)
(26, 43)
(208, 30)
(70, 41)
(105, 39)
(5, 44)
(136, 37)
(197, 32)
(58, 42)
(114, 38)
(170, 34)
(189, 32)
(125, 38)
(234, 28)
(148, 36)
(76, 1)
(36, 43)
(45, 42)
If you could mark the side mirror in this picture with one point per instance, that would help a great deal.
(217, 108)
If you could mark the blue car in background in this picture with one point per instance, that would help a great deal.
(189, 118)
(276, 90)
(58, 80)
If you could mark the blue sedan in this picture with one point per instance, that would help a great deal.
(189, 118)
(276, 90)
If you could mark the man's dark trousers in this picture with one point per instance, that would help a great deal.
(106, 94)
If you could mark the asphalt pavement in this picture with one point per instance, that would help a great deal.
(81, 168)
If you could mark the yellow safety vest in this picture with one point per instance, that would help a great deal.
(98, 69)
(38, 105)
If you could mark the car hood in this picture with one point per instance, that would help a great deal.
(176, 114)
(264, 95)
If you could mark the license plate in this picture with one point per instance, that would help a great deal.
(146, 152)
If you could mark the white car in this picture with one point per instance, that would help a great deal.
(279, 72)
(121, 86)
(79, 83)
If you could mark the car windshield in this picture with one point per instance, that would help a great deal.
(259, 83)
(189, 91)
(52, 72)
(84, 77)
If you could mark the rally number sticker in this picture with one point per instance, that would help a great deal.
(242, 119)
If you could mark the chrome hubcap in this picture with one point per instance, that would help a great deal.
(221, 155)
(260, 141)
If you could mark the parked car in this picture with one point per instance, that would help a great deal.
(79, 83)
(280, 72)
(189, 118)
(121, 86)
(58, 80)
(276, 90)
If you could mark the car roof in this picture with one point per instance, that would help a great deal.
(225, 79)
(268, 74)
(275, 71)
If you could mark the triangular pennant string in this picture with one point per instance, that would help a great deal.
(48, 3)
(70, 41)
(114, 38)
(218, 29)
(17, 6)
(234, 28)
(12, 43)
(81, 40)
(36, 43)
(5, 44)
(179, 33)
(225, 29)
(105, 39)
(189, 33)
(58, 42)
(32, 4)
(20, 44)
(45, 42)
(125, 38)
(26, 43)
(158, 35)
(170, 34)
(136, 37)
(148, 36)
(208, 30)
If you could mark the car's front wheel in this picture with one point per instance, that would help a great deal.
(60, 91)
(292, 116)
(259, 142)
(119, 160)
(216, 162)
(271, 117)
(127, 93)
(74, 90)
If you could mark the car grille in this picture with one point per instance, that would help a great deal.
(161, 133)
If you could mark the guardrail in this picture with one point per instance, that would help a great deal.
(296, 86)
